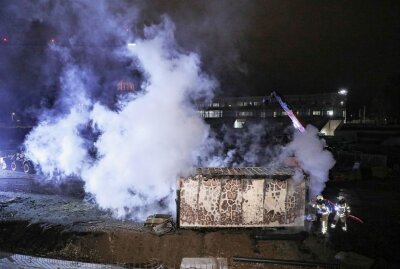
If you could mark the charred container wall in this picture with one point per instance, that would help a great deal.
(241, 197)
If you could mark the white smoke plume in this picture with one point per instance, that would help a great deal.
(55, 144)
(257, 144)
(263, 145)
(143, 146)
(149, 142)
(315, 161)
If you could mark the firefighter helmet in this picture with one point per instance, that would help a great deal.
(340, 197)
(320, 197)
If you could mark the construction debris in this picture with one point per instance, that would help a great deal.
(160, 224)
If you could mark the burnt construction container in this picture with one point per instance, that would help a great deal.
(241, 197)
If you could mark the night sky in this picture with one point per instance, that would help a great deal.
(251, 47)
(300, 46)
(324, 45)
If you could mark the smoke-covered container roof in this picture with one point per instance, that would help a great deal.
(242, 197)
(284, 172)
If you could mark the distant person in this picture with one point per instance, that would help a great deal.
(322, 212)
(342, 211)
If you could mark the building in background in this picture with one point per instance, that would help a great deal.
(326, 111)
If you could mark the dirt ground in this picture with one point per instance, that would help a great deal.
(130, 247)
(71, 227)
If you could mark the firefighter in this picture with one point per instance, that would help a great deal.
(342, 211)
(323, 212)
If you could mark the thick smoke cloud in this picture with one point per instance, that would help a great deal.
(55, 144)
(150, 141)
(257, 144)
(143, 141)
(272, 145)
(316, 161)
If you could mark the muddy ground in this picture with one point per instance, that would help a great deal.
(61, 223)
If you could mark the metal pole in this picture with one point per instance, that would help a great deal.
(285, 262)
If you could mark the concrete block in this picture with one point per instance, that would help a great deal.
(204, 263)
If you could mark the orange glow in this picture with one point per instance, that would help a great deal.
(292, 162)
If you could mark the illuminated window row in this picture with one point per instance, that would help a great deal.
(211, 113)
(265, 114)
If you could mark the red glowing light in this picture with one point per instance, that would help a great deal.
(125, 86)
(4, 39)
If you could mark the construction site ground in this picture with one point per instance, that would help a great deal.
(60, 222)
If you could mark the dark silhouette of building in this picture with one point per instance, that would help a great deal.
(326, 111)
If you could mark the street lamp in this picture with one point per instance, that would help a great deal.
(343, 91)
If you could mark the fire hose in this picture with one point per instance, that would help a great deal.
(348, 215)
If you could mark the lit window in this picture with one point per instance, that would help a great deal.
(239, 123)
(275, 114)
(262, 114)
(316, 112)
(244, 113)
(329, 112)
(215, 104)
(213, 114)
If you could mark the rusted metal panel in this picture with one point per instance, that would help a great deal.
(208, 202)
(189, 195)
(213, 198)
(253, 197)
(230, 203)
(274, 201)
